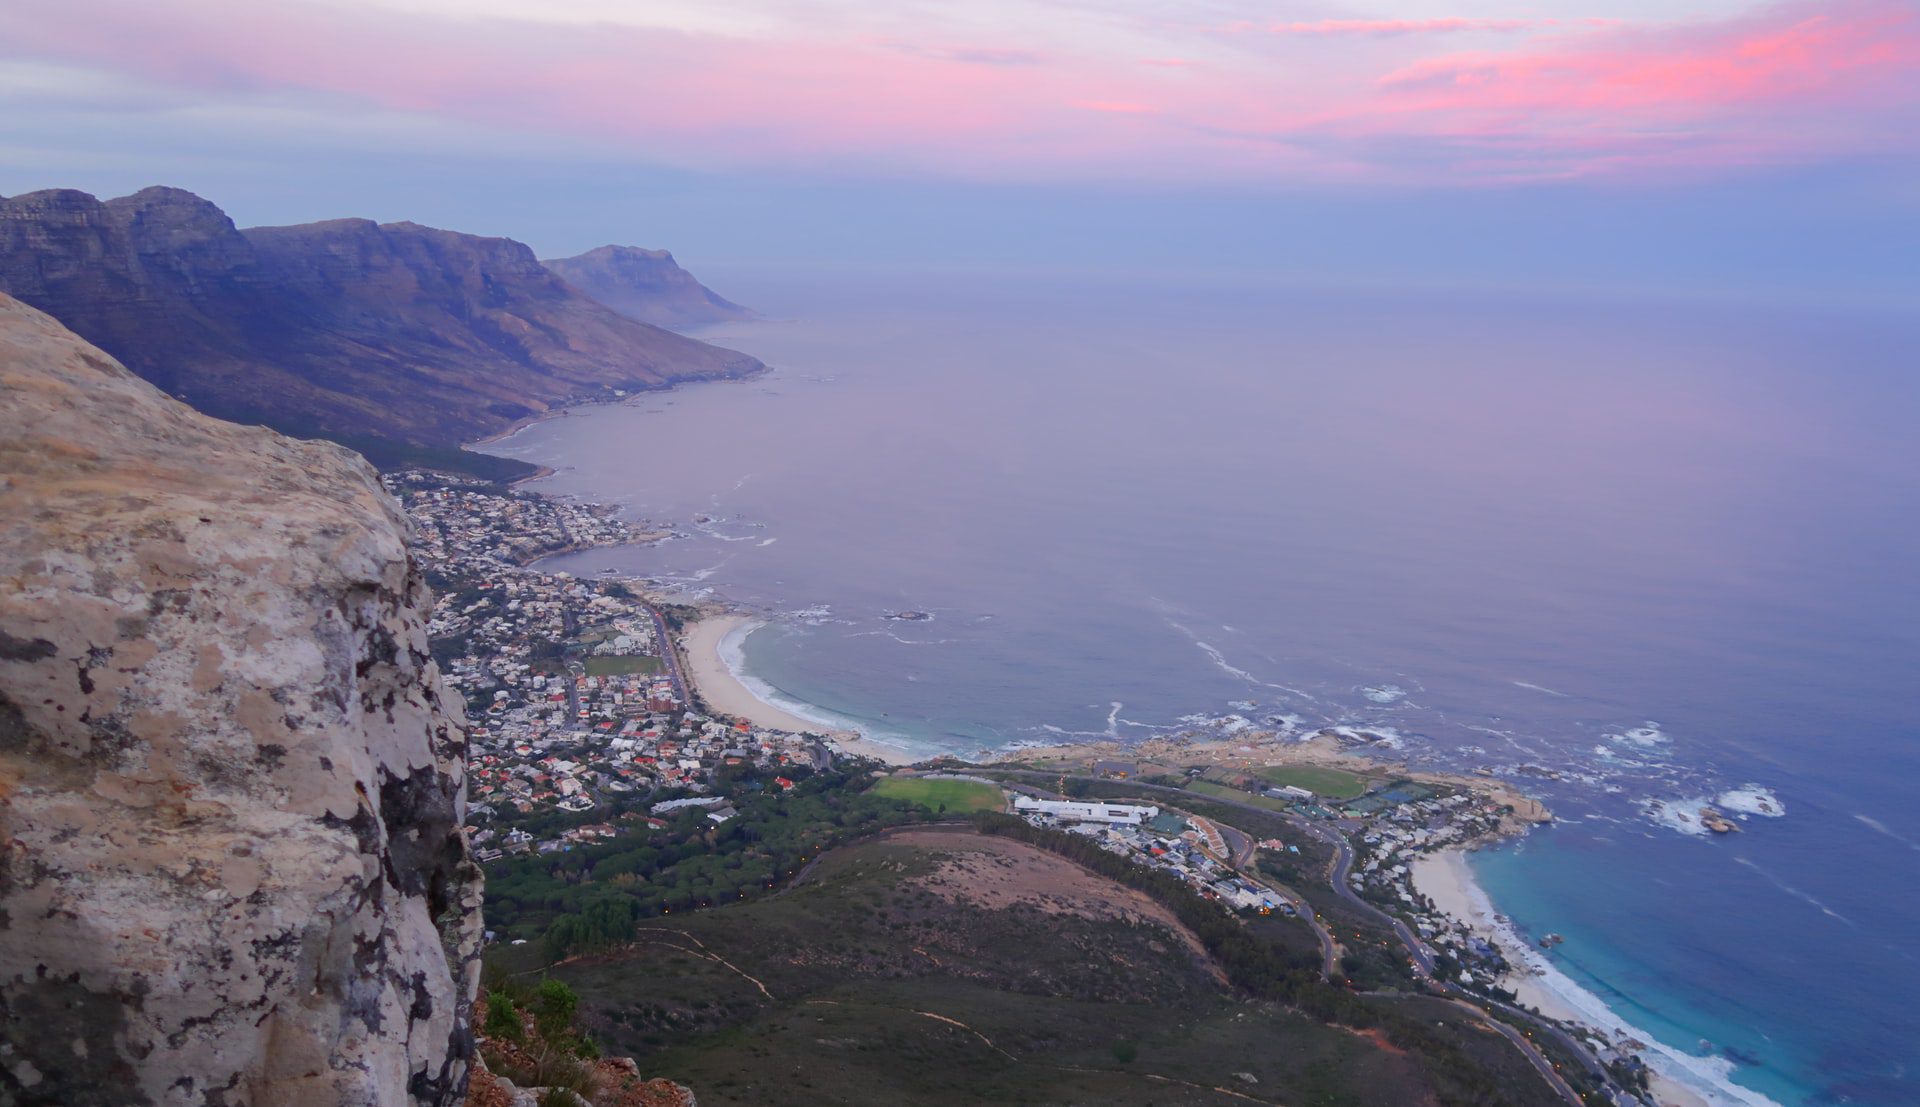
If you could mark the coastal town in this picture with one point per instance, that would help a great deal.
(586, 732)
(576, 697)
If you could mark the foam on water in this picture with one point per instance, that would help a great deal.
(1881, 828)
(1796, 893)
(732, 654)
(1709, 1077)
(1752, 799)
(1646, 736)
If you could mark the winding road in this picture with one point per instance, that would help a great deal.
(1420, 956)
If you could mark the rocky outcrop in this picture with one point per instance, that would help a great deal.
(613, 1082)
(232, 869)
(647, 285)
(361, 332)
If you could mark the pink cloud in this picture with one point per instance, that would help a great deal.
(1819, 55)
(1799, 82)
(1389, 28)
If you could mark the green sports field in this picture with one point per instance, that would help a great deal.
(622, 665)
(1331, 783)
(954, 795)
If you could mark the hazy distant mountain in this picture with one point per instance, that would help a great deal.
(381, 336)
(647, 285)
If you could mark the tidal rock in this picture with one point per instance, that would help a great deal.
(232, 869)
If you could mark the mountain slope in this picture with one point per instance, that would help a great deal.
(231, 784)
(367, 333)
(647, 285)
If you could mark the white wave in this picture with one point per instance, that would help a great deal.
(1752, 799)
(1680, 815)
(1796, 893)
(1538, 688)
(1646, 736)
(1225, 666)
(701, 576)
(1384, 693)
(1228, 667)
(1709, 1077)
(1877, 825)
(768, 541)
(711, 530)
(1113, 720)
(732, 653)
(1379, 737)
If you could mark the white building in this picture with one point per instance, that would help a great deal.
(1120, 813)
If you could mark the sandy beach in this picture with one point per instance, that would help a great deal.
(1445, 878)
(724, 693)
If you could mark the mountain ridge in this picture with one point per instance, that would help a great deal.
(389, 337)
(647, 285)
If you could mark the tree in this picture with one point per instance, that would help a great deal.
(553, 1007)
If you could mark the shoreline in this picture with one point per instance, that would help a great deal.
(1444, 876)
(1675, 1079)
(704, 646)
(701, 644)
(567, 407)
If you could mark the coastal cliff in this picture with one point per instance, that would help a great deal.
(647, 285)
(231, 785)
(382, 336)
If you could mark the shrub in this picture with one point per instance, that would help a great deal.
(553, 1006)
(503, 1018)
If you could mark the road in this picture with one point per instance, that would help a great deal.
(1420, 956)
(669, 655)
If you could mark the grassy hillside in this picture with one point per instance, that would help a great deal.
(942, 967)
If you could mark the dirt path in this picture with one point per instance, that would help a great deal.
(702, 951)
(988, 1042)
(998, 873)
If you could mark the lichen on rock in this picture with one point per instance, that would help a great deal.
(231, 786)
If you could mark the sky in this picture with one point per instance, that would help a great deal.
(1710, 146)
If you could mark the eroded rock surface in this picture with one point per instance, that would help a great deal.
(231, 787)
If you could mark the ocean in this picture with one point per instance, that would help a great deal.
(1638, 555)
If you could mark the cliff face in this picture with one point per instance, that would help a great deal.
(231, 788)
(346, 329)
(647, 285)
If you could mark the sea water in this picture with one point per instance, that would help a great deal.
(1641, 557)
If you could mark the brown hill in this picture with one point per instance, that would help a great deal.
(647, 285)
(389, 337)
